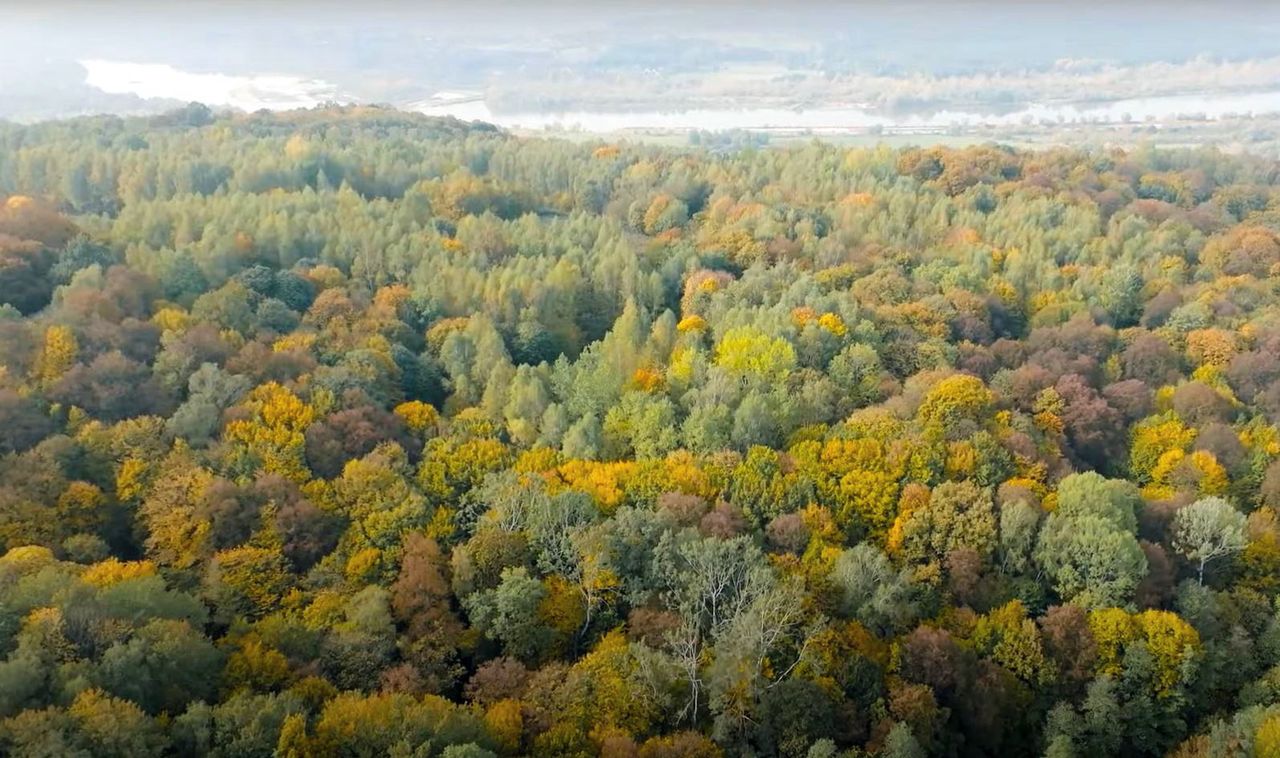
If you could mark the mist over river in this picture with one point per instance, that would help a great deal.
(285, 92)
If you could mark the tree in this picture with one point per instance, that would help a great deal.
(113, 727)
(306, 532)
(1150, 359)
(211, 391)
(1019, 525)
(756, 650)
(1208, 529)
(349, 434)
(795, 715)
(81, 252)
(641, 426)
(1094, 428)
(750, 353)
(22, 422)
(958, 515)
(1121, 295)
(164, 666)
(901, 743)
(872, 591)
(1007, 636)
(1064, 630)
(273, 435)
(112, 387)
(1091, 562)
(1174, 646)
(23, 282)
(58, 354)
(508, 614)
(955, 399)
(245, 724)
(247, 582)
(420, 600)
(756, 422)
(355, 724)
(711, 584)
(1089, 494)
(857, 371)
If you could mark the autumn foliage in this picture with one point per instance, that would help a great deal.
(371, 434)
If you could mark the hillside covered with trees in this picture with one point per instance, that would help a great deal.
(348, 432)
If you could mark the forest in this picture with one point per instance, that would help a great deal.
(350, 432)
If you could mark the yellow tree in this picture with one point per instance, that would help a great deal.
(746, 351)
(273, 435)
(58, 353)
(1173, 643)
(420, 418)
(81, 508)
(1011, 639)
(247, 581)
(957, 397)
(177, 533)
(113, 571)
(1152, 438)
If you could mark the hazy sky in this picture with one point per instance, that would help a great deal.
(988, 30)
(380, 49)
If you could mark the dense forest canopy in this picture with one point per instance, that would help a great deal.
(349, 432)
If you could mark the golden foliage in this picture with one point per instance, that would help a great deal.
(955, 397)
(505, 723)
(57, 355)
(1112, 630)
(419, 417)
(1172, 642)
(694, 323)
(603, 481)
(1211, 346)
(647, 379)
(747, 351)
(1151, 439)
(113, 571)
(274, 434)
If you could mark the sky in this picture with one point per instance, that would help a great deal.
(401, 52)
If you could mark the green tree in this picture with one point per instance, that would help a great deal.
(872, 592)
(508, 614)
(1089, 561)
(1208, 529)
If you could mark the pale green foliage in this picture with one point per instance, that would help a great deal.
(1207, 529)
(1089, 494)
(1090, 562)
(872, 591)
(1019, 525)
